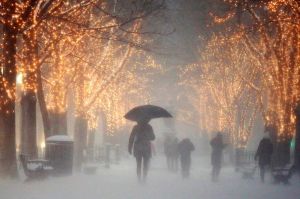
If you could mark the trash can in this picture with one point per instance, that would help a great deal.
(59, 153)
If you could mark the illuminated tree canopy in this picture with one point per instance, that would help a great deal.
(253, 62)
(59, 47)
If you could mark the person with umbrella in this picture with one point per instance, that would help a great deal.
(140, 140)
(142, 135)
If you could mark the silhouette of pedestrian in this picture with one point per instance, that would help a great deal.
(140, 140)
(167, 150)
(174, 154)
(216, 155)
(185, 147)
(171, 152)
(263, 154)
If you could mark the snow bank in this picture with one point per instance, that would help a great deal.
(59, 138)
(119, 182)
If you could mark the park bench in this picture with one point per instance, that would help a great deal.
(35, 169)
(282, 174)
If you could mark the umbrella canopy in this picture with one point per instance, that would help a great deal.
(146, 112)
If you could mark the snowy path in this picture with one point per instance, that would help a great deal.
(119, 182)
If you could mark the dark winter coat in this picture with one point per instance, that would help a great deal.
(264, 152)
(167, 146)
(174, 148)
(171, 147)
(139, 139)
(217, 149)
(185, 147)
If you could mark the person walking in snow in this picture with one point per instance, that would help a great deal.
(264, 154)
(140, 141)
(171, 152)
(174, 154)
(185, 147)
(216, 156)
(167, 150)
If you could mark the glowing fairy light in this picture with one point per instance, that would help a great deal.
(19, 78)
(225, 102)
(74, 56)
(277, 65)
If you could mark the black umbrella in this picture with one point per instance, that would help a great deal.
(146, 112)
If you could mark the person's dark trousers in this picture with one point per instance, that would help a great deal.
(262, 172)
(185, 166)
(146, 161)
(140, 159)
(139, 167)
(216, 172)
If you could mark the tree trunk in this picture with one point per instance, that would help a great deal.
(91, 144)
(80, 142)
(297, 140)
(28, 126)
(7, 93)
(28, 101)
(42, 104)
(58, 123)
(2, 145)
(272, 130)
(283, 152)
(8, 160)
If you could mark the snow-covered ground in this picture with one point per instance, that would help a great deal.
(119, 182)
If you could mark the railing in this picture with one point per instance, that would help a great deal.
(243, 158)
(108, 153)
